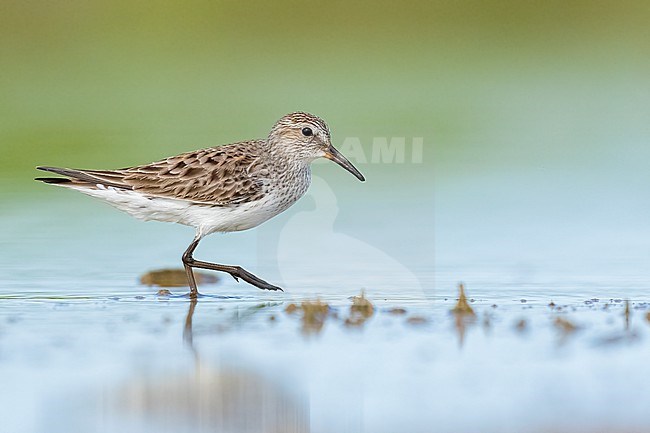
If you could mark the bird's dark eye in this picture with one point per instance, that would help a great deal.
(307, 132)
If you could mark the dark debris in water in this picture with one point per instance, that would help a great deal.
(521, 325)
(175, 278)
(313, 317)
(360, 310)
(361, 305)
(417, 320)
(314, 313)
(462, 306)
(291, 308)
(565, 326)
(626, 337)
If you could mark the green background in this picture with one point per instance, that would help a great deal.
(491, 86)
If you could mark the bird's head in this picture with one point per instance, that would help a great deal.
(306, 137)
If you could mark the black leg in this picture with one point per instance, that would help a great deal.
(235, 271)
(187, 263)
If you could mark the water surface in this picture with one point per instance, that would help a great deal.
(85, 347)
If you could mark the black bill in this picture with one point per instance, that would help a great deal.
(337, 157)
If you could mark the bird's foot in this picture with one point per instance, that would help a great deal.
(254, 280)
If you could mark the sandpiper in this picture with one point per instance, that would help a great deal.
(226, 188)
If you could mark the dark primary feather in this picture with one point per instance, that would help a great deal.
(54, 180)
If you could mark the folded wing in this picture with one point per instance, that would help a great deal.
(223, 175)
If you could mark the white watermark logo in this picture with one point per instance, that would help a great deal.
(304, 252)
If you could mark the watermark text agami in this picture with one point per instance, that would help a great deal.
(384, 150)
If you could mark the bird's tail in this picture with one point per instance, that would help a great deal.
(81, 177)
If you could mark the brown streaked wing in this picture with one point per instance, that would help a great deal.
(221, 175)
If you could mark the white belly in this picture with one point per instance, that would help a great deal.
(205, 218)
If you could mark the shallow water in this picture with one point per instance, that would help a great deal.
(84, 347)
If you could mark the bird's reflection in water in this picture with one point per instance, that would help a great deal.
(188, 336)
(212, 398)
